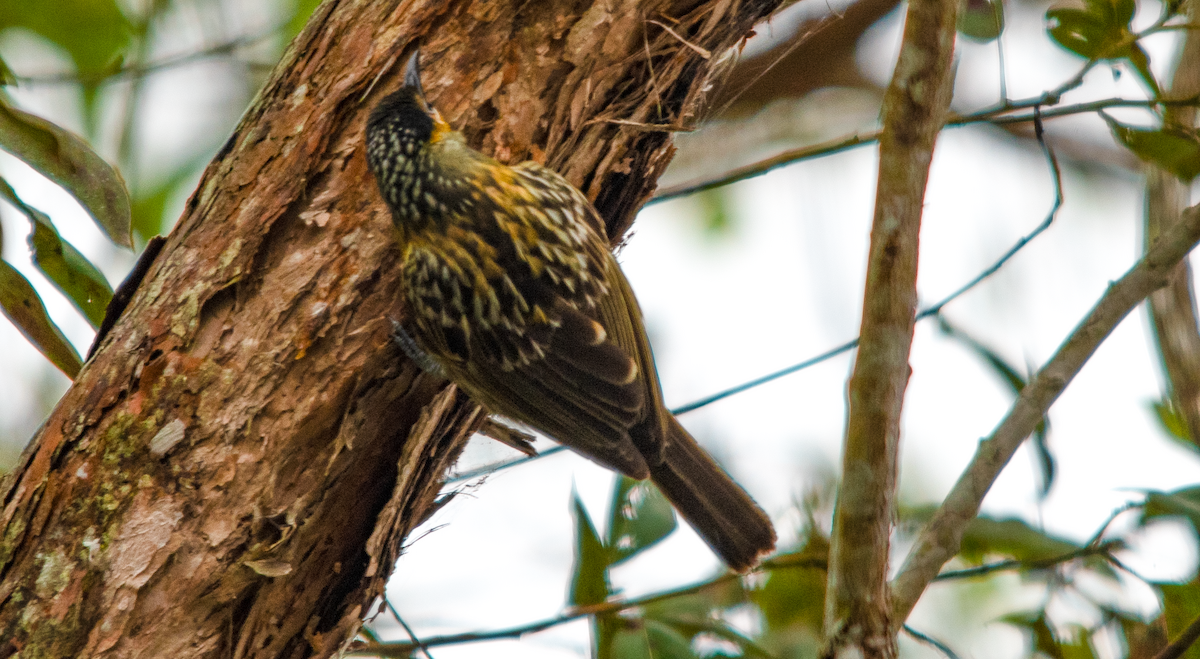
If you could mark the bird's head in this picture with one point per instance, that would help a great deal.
(402, 131)
(404, 116)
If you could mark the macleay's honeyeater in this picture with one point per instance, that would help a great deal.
(516, 297)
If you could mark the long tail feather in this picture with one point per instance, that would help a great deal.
(720, 510)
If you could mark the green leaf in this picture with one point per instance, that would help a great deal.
(1184, 503)
(1139, 59)
(1016, 382)
(1181, 605)
(301, 11)
(66, 159)
(640, 516)
(1079, 644)
(1018, 540)
(20, 302)
(793, 597)
(1080, 32)
(93, 32)
(690, 627)
(589, 580)
(715, 212)
(1172, 422)
(981, 20)
(150, 205)
(1175, 149)
(1039, 628)
(1122, 10)
(1014, 538)
(62, 264)
(7, 77)
(650, 639)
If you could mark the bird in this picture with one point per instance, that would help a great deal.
(515, 296)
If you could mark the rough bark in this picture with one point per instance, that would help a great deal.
(857, 605)
(235, 470)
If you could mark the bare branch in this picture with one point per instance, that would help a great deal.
(914, 109)
(942, 536)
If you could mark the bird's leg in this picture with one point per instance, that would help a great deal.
(414, 351)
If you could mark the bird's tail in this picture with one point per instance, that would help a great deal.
(718, 508)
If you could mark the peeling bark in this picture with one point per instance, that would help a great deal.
(235, 470)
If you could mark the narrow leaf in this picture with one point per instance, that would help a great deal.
(1139, 59)
(589, 580)
(650, 639)
(7, 77)
(1172, 422)
(1183, 503)
(1039, 628)
(63, 265)
(666, 642)
(640, 516)
(1174, 149)
(1019, 540)
(1016, 382)
(717, 627)
(20, 302)
(66, 159)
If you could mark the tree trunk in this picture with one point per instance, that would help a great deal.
(235, 470)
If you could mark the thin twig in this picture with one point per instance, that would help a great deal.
(404, 649)
(999, 115)
(941, 538)
(1085, 551)
(1181, 644)
(408, 630)
(932, 310)
(1096, 537)
(929, 640)
(702, 52)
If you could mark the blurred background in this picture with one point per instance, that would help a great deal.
(735, 282)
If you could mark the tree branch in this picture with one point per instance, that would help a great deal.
(941, 538)
(914, 110)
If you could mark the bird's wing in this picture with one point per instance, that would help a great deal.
(622, 318)
(522, 337)
(584, 391)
